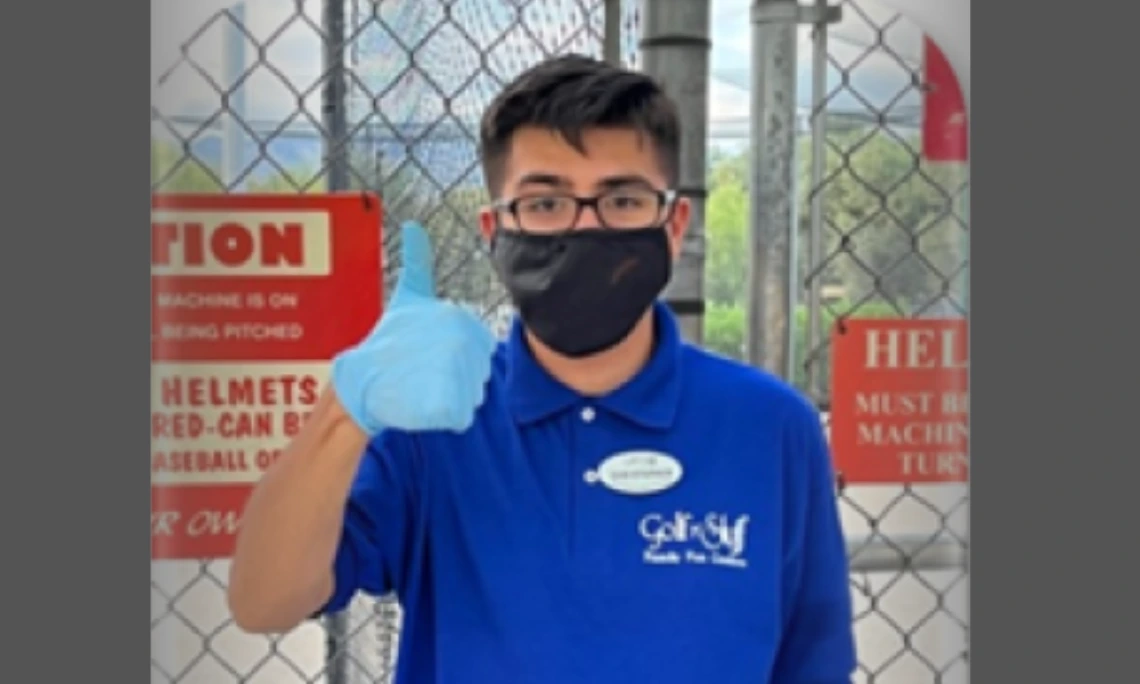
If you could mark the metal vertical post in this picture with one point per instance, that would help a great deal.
(818, 164)
(791, 261)
(772, 294)
(234, 65)
(335, 121)
(334, 97)
(675, 45)
(611, 32)
(773, 139)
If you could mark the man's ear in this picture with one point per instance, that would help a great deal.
(487, 222)
(678, 224)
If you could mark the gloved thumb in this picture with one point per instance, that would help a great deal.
(417, 274)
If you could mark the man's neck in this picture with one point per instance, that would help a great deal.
(603, 372)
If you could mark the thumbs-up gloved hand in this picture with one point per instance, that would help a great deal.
(425, 364)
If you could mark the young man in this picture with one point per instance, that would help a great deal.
(593, 501)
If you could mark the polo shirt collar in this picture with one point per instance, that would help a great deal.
(649, 399)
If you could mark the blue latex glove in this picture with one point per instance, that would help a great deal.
(426, 363)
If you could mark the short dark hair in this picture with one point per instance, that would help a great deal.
(570, 94)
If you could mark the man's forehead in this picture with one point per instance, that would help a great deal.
(604, 153)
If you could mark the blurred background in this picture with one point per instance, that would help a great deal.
(820, 195)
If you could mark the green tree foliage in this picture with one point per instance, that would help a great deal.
(290, 183)
(173, 171)
(726, 258)
(897, 213)
(904, 247)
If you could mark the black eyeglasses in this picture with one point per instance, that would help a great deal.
(616, 209)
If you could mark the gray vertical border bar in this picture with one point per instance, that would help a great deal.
(75, 298)
(1053, 472)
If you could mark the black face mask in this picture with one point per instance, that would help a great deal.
(583, 291)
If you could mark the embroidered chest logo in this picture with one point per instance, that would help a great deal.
(715, 539)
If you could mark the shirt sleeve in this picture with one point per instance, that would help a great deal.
(375, 544)
(818, 644)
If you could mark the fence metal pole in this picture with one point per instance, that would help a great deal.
(772, 267)
(334, 101)
(791, 254)
(334, 97)
(611, 32)
(772, 176)
(675, 45)
(815, 220)
(234, 65)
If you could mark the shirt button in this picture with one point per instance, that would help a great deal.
(588, 414)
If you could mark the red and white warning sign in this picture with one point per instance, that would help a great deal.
(899, 400)
(252, 295)
(945, 131)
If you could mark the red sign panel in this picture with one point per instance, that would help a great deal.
(944, 129)
(899, 401)
(251, 296)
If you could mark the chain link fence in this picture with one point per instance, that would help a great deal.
(306, 96)
(885, 235)
(310, 96)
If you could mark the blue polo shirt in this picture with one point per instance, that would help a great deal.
(515, 561)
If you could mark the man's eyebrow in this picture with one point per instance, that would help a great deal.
(543, 178)
(562, 183)
(622, 180)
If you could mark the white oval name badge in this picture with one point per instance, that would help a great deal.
(637, 472)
